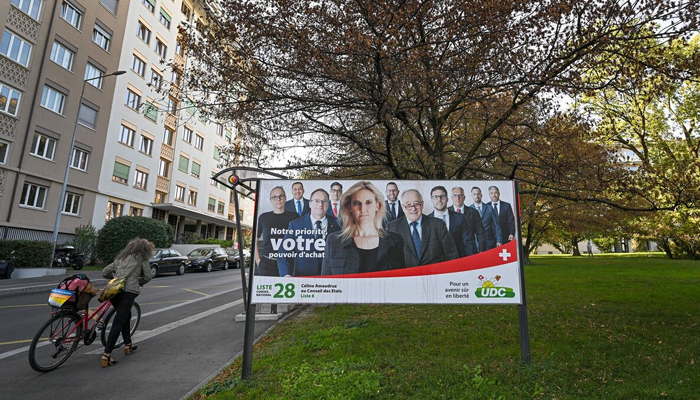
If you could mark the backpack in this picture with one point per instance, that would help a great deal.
(81, 288)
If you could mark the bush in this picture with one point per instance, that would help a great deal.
(117, 232)
(86, 241)
(28, 253)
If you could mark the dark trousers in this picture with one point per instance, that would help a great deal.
(268, 267)
(122, 303)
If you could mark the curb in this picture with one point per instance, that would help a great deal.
(38, 288)
(239, 354)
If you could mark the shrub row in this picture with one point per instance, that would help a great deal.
(28, 254)
(117, 232)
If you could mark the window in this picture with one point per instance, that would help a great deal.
(149, 4)
(43, 146)
(217, 153)
(138, 65)
(212, 205)
(62, 56)
(172, 105)
(156, 79)
(126, 136)
(33, 196)
(136, 212)
(160, 198)
(80, 159)
(101, 37)
(184, 163)
(198, 142)
(71, 204)
(133, 100)
(176, 78)
(219, 129)
(168, 135)
(146, 145)
(164, 169)
(180, 48)
(151, 111)
(87, 116)
(30, 7)
(196, 168)
(14, 48)
(164, 18)
(186, 11)
(9, 100)
(93, 75)
(179, 193)
(192, 198)
(4, 151)
(140, 179)
(220, 208)
(187, 134)
(71, 14)
(143, 32)
(227, 134)
(161, 49)
(120, 173)
(111, 5)
(52, 99)
(114, 210)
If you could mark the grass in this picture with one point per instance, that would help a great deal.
(602, 328)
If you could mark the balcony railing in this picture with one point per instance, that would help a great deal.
(162, 184)
(167, 151)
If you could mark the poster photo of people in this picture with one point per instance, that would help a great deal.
(380, 241)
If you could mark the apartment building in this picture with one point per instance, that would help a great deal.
(47, 49)
(136, 152)
(160, 151)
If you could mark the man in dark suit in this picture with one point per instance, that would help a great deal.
(493, 230)
(473, 224)
(298, 204)
(426, 239)
(335, 206)
(309, 234)
(504, 214)
(393, 205)
(455, 222)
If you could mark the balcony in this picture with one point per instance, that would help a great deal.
(178, 62)
(162, 184)
(167, 152)
(171, 121)
(175, 91)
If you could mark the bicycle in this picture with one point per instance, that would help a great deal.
(61, 335)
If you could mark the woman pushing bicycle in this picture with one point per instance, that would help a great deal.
(132, 265)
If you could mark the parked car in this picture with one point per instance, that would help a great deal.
(168, 260)
(206, 259)
(233, 258)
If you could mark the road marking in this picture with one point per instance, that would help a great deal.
(194, 291)
(24, 305)
(160, 310)
(143, 335)
(19, 341)
(155, 286)
(162, 302)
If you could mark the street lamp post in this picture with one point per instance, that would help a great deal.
(54, 236)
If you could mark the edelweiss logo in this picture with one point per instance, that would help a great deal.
(489, 289)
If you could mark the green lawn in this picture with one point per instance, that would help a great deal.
(601, 328)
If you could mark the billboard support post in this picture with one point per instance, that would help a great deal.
(232, 182)
(522, 308)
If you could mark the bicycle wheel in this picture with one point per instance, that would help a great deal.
(134, 323)
(55, 342)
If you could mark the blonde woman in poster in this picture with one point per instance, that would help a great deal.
(362, 245)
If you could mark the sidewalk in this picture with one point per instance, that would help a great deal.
(11, 287)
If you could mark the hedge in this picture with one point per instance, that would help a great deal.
(117, 232)
(28, 253)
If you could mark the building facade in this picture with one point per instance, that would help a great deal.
(140, 150)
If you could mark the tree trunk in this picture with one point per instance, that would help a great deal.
(574, 247)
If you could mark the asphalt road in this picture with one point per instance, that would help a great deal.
(187, 333)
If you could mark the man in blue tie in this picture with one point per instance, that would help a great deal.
(427, 240)
(393, 205)
(488, 217)
(504, 214)
(298, 203)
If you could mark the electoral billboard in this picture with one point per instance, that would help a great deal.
(380, 241)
